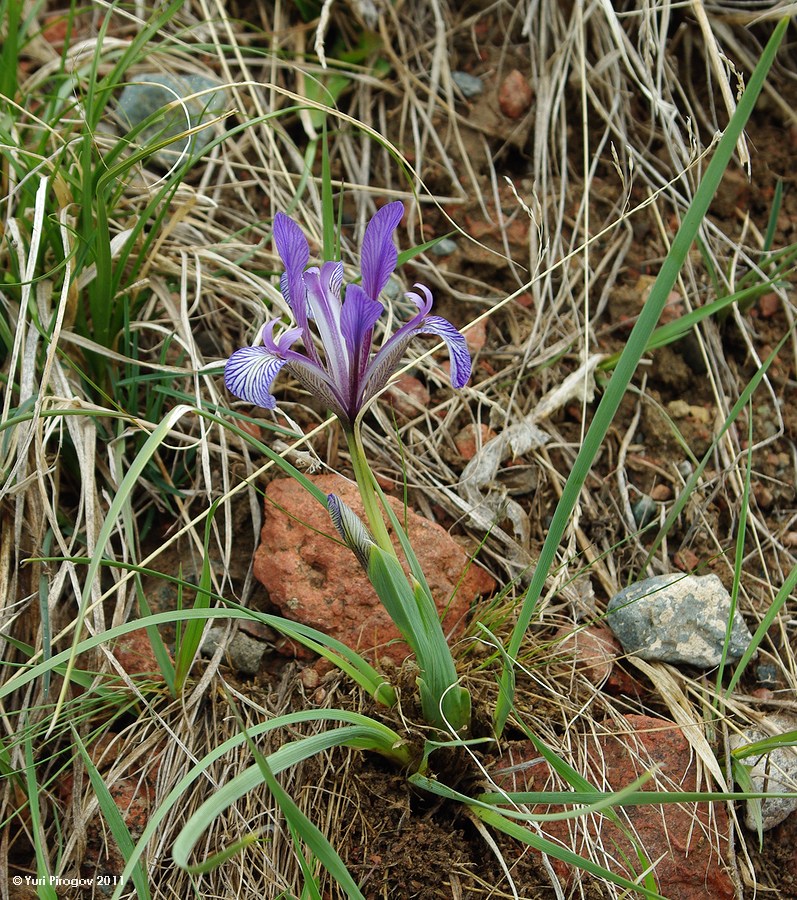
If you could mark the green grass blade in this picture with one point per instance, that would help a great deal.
(45, 890)
(189, 645)
(629, 359)
(113, 817)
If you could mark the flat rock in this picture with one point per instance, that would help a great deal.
(152, 91)
(686, 844)
(679, 619)
(242, 652)
(312, 578)
(774, 772)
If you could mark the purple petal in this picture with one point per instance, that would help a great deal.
(294, 252)
(457, 347)
(326, 309)
(291, 245)
(378, 256)
(249, 374)
(358, 317)
(389, 356)
(284, 342)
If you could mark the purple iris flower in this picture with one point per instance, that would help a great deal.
(348, 374)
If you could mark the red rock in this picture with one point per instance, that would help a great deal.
(592, 650)
(687, 844)
(515, 95)
(135, 655)
(661, 493)
(467, 442)
(408, 396)
(768, 305)
(312, 578)
(135, 798)
(686, 560)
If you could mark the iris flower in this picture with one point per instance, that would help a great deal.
(348, 373)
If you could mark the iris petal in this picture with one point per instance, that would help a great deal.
(249, 374)
(358, 317)
(378, 255)
(292, 247)
(457, 347)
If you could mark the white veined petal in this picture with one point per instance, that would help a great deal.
(249, 374)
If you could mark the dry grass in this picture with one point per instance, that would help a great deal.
(626, 103)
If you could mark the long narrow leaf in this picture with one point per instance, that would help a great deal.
(637, 341)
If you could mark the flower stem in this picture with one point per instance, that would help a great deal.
(365, 482)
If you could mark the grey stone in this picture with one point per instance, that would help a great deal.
(773, 772)
(678, 619)
(445, 247)
(644, 511)
(152, 91)
(242, 652)
(470, 85)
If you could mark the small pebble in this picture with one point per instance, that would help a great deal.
(445, 247)
(515, 95)
(644, 511)
(661, 493)
(766, 673)
(768, 305)
(309, 678)
(763, 495)
(470, 85)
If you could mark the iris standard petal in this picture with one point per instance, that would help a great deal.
(378, 255)
(358, 317)
(294, 252)
(249, 374)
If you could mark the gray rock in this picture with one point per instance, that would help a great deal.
(242, 652)
(677, 619)
(470, 85)
(445, 247)
(772, 772)
(644, 511)
(152, 91)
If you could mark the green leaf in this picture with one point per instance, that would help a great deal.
(111, 814)
(632, 353)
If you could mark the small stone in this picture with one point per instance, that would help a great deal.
(680, 409)
(135, 655)
(790, 539)
(768, 305)
(644, 511)
(242, 653)
(153, 91)
(394, 288)
(591, 649)
(686, 560)
(773, 772)
(766, 673)
(763, 495)
(677, 619)
(515, 95)
(445, 247)
(468, 444)
(685, 469)
(470, 85)
(661, 493)
(309, 678)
